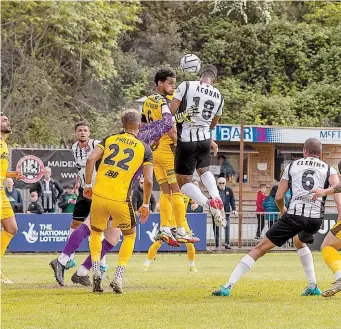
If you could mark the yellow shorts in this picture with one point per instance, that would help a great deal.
(6, 210)
(121, 212)
(336, 229)
(163, 159)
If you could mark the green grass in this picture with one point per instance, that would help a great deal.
(168, 296)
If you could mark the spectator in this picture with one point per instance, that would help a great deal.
(68, 200)
(226, 170)
(260, 210)
(270, 207)
(49, 191)
(34, 206)
(226, 194)
(138, 197)
(193, 207)
(14, 196)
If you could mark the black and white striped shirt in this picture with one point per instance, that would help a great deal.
(210, 103)
(304, 175)
(81, 155)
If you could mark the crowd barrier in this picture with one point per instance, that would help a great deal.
(49, 233)
(249, 231)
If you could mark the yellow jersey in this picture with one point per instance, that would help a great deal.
(151, 111)
(4, 160)
(123, 155)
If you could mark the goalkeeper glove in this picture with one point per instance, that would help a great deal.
(187, 115)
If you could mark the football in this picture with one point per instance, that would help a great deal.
(190, 63)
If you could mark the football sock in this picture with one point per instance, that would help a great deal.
(165, 209)
(178, 209)
(195, 194)
(147, 262)
(126, 249)
(333, 259)
(72, 256)
(308, 265)
(96, 268)
(83, 271)
(5, 240)
(106, 247)
(190, 253)
(119, 272)
(209, 181)
(95, 245)
(165, 229)
(245, 264)
(153, 250)
(103, 260)
(73, 243)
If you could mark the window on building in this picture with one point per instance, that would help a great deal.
(284, 155)
(229, 166)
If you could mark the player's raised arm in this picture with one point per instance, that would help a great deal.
(334, 181)
(282, 189)
(178, 96)
(148, 184)
(335, 188)
(94, 156)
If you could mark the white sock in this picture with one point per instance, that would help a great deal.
(308, 265)
(165, 229)
(147, 262)
(72, 256)
(181, 231)
(103, 260)
(337, 275)
(208, 180)
(63, 259)
(195, 194)
(191, 263)
(243, 267)
(82, 271)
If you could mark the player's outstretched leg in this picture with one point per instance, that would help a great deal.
(81, 276)
(59, 264)
(126, 250)
(191, 257)
(215, 204)
(245, 264)
(10, 228)
(153, 249)
(95, 251)
(307, 262)
(165, 234)
(333, 259)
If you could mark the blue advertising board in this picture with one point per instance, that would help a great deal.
(49, 233)
(280, 135)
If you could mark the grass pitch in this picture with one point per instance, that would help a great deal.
(168, 296)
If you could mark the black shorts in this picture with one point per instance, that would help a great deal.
(82, 208)
(290, 225)
(192, 155)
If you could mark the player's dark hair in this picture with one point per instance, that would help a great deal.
(209, 71)
(339, 167)
(313, 146)
(81, 123)
(163, 74)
